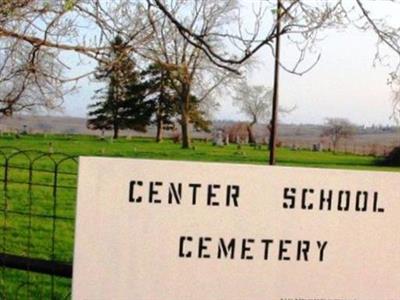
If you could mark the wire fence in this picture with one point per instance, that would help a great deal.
(37, 212)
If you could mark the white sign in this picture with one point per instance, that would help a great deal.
(160, 230)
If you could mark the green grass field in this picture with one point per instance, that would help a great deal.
(27, 210)
(147, 148)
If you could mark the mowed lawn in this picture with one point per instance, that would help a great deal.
(38, 221)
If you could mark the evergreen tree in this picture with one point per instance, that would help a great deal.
(162, 97)
(161, 87)
(121, 104)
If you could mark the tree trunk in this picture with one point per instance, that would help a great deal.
(116, 130)
(185, 131)
(116, 133)
(334, 145)
(250, 133)
(159, 114)
(160, 124)
(185, 118)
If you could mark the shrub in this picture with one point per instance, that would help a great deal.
(392, 158)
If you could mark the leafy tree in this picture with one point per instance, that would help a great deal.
(122, 103)
(197, 116)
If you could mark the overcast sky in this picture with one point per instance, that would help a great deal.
(343, 84)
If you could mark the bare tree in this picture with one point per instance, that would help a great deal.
(35, 35)
(301, 21)
(191, 73)
(394, 82)
(337, 129)
(255, 101)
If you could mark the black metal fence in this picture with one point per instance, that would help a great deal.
(37, 212)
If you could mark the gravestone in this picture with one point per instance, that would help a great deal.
(317, 147)
(219, 138)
